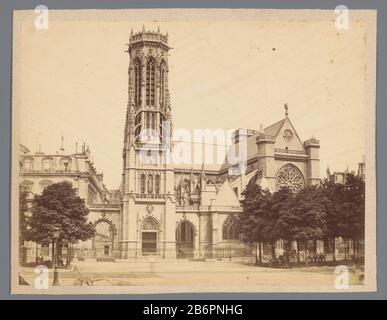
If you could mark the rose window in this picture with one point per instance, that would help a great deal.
(291, 177)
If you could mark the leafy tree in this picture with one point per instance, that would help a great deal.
(280, 207)
(305, 218)
(333, 192)
(253, 219)
(346, 209)
(23, 209)
(353, 210)
(59, 216)
(322, 212)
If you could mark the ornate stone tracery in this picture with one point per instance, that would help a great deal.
(150, 224)
(230, 228)
(290, 176)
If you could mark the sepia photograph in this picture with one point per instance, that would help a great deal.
(193, 150)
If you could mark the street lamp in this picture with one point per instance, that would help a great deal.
(55, 258)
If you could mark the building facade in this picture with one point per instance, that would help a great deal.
(162, 209)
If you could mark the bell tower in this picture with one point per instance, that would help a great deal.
(148, 178)
(148, 107)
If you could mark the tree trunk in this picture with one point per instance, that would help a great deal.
(260, 252)
(273, 257)
(256, 253)
(298, 252)
(53, 254)
(306, 252)
(288, 247)
(355, 245)
(36, 253)
(333, 243)
(58, 253)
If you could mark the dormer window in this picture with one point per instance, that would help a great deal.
(46, 164)
(27, 164)
(65, 164)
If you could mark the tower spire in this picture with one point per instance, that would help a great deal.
(286, 110)
(203, 172)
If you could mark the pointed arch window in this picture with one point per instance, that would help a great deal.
(148, 121)
(162, 84)
(150, 82)
(137, 82)
(157, 184)
(143, 178)
(150, 184)
(231, 229)
(154, 121)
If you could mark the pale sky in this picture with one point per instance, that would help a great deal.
(223, 74)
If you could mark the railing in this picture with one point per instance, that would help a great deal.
(103, 205)
(150, 195)
(188, 208)
(265, 137)
(312, 141)
(290, 151)
(227, 208)
(48, 171)
(148, 35)
(208, 208)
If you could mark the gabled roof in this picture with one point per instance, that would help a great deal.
(274, 128)
(24, 149)
(226, 196)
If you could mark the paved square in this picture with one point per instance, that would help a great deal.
(193, 273)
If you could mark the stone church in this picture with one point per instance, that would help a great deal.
(162, 209)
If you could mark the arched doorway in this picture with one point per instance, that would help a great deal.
(185, 233)
(103, 239)
(149, 236)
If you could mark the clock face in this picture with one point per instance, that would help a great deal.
(288, 134)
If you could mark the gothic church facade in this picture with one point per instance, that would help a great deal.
(165, 210)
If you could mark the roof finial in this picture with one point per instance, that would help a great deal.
(62, 139)
(286, 110)
(143, 28)
(131, 31)
(328, 171)
(158, 29)
(203, 171)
